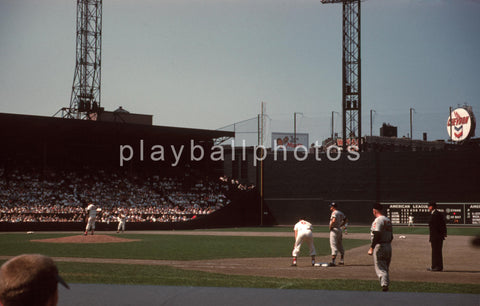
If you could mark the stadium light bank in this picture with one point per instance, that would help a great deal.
(197, 152)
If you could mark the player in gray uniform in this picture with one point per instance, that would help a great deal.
(337, 220)
(381, 248)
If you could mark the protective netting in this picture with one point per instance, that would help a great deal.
(251, 131)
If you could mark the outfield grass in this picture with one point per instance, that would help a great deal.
(417, 230)
(167, 247)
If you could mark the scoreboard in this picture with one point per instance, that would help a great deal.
(455, 213)
(398, 213)
(473, 214)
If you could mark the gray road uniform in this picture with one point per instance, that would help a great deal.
(336, 243)
(382, 236)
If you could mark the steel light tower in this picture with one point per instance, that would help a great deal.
(351, 73)
(85, 97)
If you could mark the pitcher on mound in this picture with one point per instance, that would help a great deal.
(92, 215)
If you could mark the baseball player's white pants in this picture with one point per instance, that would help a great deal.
(90, 224)
(121, 226)
(302, 236)
(336, 243)
(382, 255)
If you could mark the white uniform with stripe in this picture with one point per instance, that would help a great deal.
(304, 233)
(92, 214)
(382, 252)
(336, 243)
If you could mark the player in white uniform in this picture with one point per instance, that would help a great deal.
(381, 248)
(121, 223)
(92, 215)
(337, 220)
(303, 232)
(345, 228)
(410, 221)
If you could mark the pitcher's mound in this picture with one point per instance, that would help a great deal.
(86, 239)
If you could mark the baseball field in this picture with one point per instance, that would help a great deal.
(251, 257)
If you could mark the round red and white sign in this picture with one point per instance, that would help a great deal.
(459, 124)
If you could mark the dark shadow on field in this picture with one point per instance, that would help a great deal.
(459, 271)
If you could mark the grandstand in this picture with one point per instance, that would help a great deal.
(51, 168)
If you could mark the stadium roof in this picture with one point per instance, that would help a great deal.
(35, 128)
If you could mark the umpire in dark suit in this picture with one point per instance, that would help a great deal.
(438, 232)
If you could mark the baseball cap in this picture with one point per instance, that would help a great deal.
(29, 276)
(378, 206)
(333, 204)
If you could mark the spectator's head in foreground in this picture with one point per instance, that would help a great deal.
(29, 279)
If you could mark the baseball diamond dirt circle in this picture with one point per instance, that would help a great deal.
(411, 257)
(86, 239)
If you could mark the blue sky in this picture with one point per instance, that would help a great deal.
(210, 63)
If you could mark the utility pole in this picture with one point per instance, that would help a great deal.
(371, 121)
(261, 163)
(451, 125)
(295, 128)
(411, 122)
(333, 126)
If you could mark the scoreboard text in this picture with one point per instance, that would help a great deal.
(455, 213)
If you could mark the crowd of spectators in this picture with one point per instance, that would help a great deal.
(61, 196)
